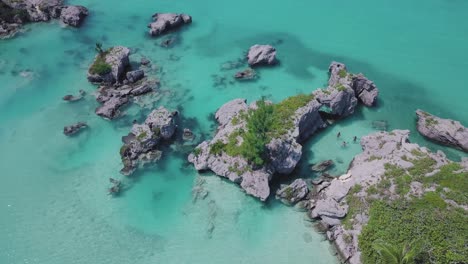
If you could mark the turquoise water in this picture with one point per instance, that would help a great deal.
(54, 206)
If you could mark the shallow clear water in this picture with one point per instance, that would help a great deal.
(54, 206)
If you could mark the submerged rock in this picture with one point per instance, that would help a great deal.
(444, 131)
(294, 192)
(322, 166)
(188, 135)
(141, 143)
(261, 55)
(164, 22)
(75, 128)
(73, 98)
(247, 74)
(73, 15)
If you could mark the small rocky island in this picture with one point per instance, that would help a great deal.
(140, 145)
(257, 141)
(165, 22)
(118, 85)
(444, 131)
(15, 13)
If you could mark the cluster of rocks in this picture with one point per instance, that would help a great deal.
(328, 204)
(140, 145)
(119, 85)
(258, 55)
(283, 152)
(444, 131)
(345, 90)
(16, 13)
(165, 22)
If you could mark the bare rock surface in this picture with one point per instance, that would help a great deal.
(140, 145)
(164, 22)
(293, 193)
(73, 15)
(261, 55)
(444, 131)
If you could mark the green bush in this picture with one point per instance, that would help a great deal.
(342, 73)
(100, 66)
(217, 148)
(268, 121)
(442, 231)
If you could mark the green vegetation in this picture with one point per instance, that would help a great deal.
(395, 222)
(196, 152)
(450, 177)
(340, 87)
(392, 254)
(342, 73)
(100, 66)
(141, 136)
(268, 121)
(442, 230)
(217, 148)
(431, 121)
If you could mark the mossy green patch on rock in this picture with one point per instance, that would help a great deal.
(100, 66)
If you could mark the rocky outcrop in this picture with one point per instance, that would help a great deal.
(117, 61)
(367, 169)
(73, 15)
(73, 129)
(283, 151)
(140, 145)
(444, 131)
(261, 55)
(16, 13)
(164, 22)
(119, 85)
(293, 193)
(114, 97)
(365, 89)
(344, 90)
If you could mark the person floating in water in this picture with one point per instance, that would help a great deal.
(344, 144)
(338, 135)
(354, 139)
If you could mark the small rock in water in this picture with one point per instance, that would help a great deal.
(261, 55)
(247, 74)
(144, 61)
(188, 135)
(75, 128)
(322, 166)
(380, 125)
